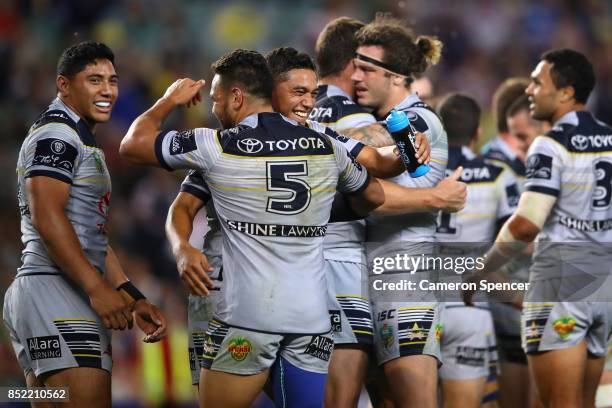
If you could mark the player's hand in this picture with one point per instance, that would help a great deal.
(150, 320)
(185, 91)
(113, 309)
(193, 268)
(451, 193)
(423, 148)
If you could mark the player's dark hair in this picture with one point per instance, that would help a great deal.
(336, 45)
(284, 59)
(520, 105)
(505, 94)
(245, 68)
(571, 68)
(460, 115)
(75, 58)
(404, 53)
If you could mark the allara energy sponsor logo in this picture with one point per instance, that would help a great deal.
(44, 347)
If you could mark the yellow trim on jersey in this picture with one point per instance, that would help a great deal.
(531, 305)
(351, 296)
(86, 355)
(69, 319)
(413, 342)
(444, 163)
(416, 308)
(364, 332)
(577, 186)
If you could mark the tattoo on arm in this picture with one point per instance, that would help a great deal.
(372, 135)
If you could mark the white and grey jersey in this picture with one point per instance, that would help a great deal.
(419, 227)
(273, 183)
(344, 240)
(336, 109)
(497, 150)
(195, 184)
(492, 197)
(573, 162)
(61, 146)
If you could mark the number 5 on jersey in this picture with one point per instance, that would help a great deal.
(283, 176)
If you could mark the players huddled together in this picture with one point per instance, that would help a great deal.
(303, 184)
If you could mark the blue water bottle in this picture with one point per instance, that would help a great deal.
(404, 135)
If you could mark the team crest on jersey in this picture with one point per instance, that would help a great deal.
(239, 348)
(99, 162)
(539, 166)
(386, 335)
(564, 326)
(183, 142)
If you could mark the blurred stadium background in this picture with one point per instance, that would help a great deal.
(156, 41)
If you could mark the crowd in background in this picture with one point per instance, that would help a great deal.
(156, 41)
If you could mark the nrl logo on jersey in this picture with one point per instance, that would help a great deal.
(582, 142)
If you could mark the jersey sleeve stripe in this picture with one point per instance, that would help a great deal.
(357, 149)
(200, 194)
(544, 190)
(362, 187)
(47, 173)
(159, 143)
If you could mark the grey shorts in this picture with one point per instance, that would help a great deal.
(468, 343)
(52, 326)
(349, 306)
(560, 325)
(407, 328)
(243, 351)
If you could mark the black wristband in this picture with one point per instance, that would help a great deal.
(131, 290)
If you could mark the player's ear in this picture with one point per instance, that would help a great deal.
(567, 93)
(237, 98)
(397, 80)
(62, 83)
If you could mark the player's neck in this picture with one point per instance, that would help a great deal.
(72, 107)
(253, 109)
(574, 107)
(341, 82)
(396, 96)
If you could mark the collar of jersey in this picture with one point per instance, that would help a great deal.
(570, 118)
(408, 102)
(333, 90)
(85, 133)
(253, 120)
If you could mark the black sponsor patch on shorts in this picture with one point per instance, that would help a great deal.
(471, 356)
(44, 347)
(183, 142)
(539, 166)
(320, 347)
(336, 320)
(55, 153)
(192, 359)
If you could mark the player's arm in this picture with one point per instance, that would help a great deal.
(372, 135)
(368, 199)
(191, 263)
(138, 145)
(48, 198)
(449, 196)
(384, 162)
(148, 317)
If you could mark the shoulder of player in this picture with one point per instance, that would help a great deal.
(479, 170)
(55, 125)
(331, 109)
(423, 119)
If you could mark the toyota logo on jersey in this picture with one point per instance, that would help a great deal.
(250, 146)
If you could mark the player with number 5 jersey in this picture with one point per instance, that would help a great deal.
(273, 183)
